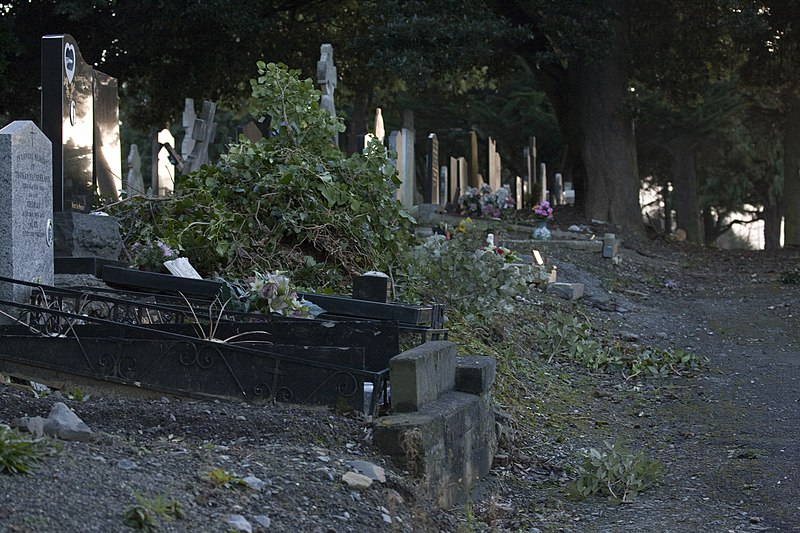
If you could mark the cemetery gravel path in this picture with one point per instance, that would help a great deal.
(729, 438)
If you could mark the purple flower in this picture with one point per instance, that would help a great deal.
(166, 250)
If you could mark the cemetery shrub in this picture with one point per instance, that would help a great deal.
(291, 201)
(465, 275)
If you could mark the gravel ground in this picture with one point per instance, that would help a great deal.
(726, 438)
(167, 448)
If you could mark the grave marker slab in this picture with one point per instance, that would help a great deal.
(432, 171)
(134, 184)
(406, 165)
(26, 208)
(80, 116)
(327, 79)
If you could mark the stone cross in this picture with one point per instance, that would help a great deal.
(203, 131)
(134, 184)
(26, 208)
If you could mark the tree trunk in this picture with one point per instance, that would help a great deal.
(709, 226)
(687, 205)
(772, 214)
(608, 146)
(791, 172)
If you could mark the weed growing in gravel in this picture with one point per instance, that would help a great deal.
(616, 473)
(220, 477)
(567, 336)
(18, 454)
(145, 514)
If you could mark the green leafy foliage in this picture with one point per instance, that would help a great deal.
(145, 515)
(564, 335)
(616, 473)
(463, 274)
(18, 454)
(289, 202)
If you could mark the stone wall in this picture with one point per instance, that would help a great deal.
(443, 427)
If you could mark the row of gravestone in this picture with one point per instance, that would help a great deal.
(47, 188)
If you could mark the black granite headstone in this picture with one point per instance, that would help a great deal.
(80, 117)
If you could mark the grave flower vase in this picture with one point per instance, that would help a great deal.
(540, 232)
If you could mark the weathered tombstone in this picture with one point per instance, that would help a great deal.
(134, 184)
(569, 193)
(380, 129)
(462, 174)
(395, 150)
(26, 208)
(494, 168)
(543, 177)
(163, 170)
(473, 160)
(406, 162)
(327, 79)
(558, 190)
(432, 171)
(455, 192)
(187, 120)
(444, 184)
(531, 163)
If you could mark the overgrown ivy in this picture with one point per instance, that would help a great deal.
(291, 201)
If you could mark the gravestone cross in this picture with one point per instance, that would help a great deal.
(203, 131)
(26, 208)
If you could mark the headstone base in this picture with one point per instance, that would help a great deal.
(83, 235)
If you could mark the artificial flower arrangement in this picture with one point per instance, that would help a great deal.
(272, 293)
(543, 211)
(483, 202)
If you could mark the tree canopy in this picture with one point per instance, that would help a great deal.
(569, 72)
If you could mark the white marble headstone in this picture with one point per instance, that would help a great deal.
(26, 208)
